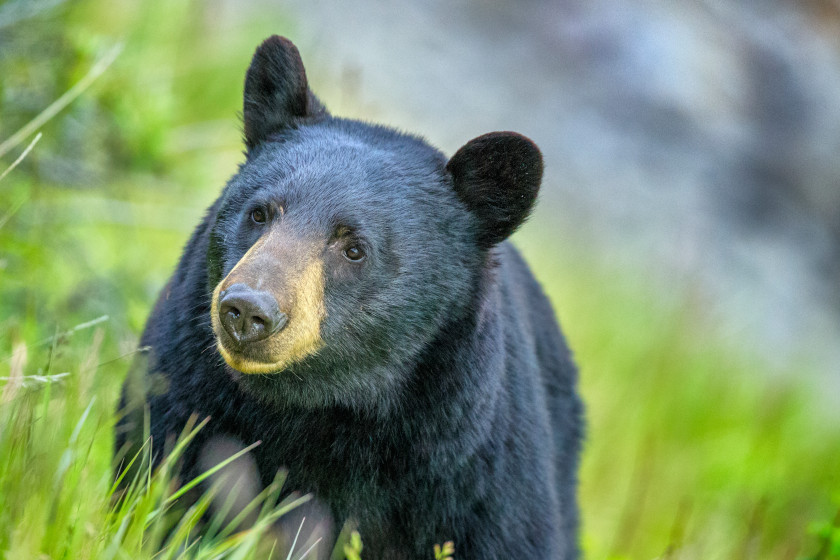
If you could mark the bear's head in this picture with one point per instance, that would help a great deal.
(341, 250)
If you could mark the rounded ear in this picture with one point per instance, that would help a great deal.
(497, 176)
(277, 95)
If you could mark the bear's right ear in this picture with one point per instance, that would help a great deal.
(277, 95)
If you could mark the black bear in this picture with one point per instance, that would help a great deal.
(351, 301)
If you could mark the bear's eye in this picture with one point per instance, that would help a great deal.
(354, 253)
(258, 215)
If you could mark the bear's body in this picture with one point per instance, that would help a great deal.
(419, 383)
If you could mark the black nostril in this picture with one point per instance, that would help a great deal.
(249, 315)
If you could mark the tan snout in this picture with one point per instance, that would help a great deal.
(267, 312)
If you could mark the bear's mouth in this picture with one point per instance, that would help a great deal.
(243, 363)
(271, 355)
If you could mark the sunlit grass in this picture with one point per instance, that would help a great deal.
(693, 450)
(59, 493)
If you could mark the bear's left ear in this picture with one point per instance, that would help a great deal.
(277, 95)
(497, 176)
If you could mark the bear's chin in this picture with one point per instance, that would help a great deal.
(249, 366)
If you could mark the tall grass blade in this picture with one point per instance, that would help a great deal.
(15, 164)
(56, 106)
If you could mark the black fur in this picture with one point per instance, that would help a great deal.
(277, 94)
(442, 405)
(497, 176)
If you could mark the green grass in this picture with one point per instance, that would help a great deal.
(58, 491)
(693, 450)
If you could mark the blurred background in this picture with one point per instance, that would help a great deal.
(688, 231)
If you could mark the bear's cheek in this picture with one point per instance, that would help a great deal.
(300, 338)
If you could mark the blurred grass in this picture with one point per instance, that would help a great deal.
(693, 450)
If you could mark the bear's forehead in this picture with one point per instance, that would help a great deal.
(346, 165)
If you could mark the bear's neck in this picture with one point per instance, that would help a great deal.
(456, 388)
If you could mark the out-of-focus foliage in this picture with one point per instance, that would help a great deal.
(827, 534)
(692, 450)
(95, 217)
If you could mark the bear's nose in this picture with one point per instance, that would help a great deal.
(249, 315)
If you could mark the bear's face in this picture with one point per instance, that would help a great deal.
(341, 250)
(331, 240)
